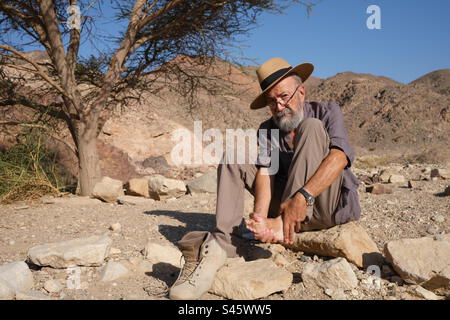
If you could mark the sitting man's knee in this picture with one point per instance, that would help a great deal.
(311, 124)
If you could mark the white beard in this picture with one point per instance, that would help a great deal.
(287, 124)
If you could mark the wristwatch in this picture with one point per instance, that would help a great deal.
(309, 198)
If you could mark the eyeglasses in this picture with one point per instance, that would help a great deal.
(284, 103)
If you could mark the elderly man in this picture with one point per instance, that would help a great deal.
(313, 189)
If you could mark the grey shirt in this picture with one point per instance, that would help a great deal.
(330, 114)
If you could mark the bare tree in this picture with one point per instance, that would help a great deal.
(156, 32)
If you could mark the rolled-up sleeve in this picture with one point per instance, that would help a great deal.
(333, 120)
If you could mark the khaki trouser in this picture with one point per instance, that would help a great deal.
(311, 147)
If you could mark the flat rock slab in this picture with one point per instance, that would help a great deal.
(90, 251)
(419, 260)
(333, 274)
(17, 275)
(134, 200)
(250, 280)
(349, 241)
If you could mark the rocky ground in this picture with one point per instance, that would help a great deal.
(420, 211)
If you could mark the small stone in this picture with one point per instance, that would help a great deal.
(53, 286)
(433, 230)
(137, 187)
(157, 253)
(443, 173)
(280, 260)
(438, 219)
(207, 183)
(379, 188)
(426, 170)
(354, 292)
(161, 188)
(277, 248)
(336, 294)
(447, 191)
(113, 270)
(332, 274)
(114, 251)
(397, 178)
(428, 295)
(305, 259)
(11, 242)
(116, 227)
(21, 207)
(413, 184)
(108, 190)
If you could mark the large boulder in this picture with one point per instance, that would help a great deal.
(206, 183)
(108, 190)
(161, 187)
(420, 260)
(250, 280)
(16, 276)
(90, 251)
(348, 240)
(332, 274)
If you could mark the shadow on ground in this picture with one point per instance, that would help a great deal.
(194, 221)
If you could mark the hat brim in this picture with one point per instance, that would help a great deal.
(304, 70)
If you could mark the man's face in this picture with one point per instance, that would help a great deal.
(285, 101)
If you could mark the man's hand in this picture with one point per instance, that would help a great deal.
(293, 212)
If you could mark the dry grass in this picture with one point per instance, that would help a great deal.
(28, 171)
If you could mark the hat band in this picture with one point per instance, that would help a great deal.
(274, 76)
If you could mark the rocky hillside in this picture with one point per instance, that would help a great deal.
(385, 118)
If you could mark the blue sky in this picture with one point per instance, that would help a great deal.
(414, 38)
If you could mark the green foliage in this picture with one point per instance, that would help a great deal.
(29, 171)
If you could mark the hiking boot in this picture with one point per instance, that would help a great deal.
(202, 258)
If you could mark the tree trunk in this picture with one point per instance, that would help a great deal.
(89, 166)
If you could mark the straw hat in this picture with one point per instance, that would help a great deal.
(272, 71)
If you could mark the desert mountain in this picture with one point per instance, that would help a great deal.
(437, 81)
(382, 116)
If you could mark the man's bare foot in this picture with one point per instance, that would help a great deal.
(266, 229)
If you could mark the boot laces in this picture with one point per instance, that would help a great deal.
(188, 269)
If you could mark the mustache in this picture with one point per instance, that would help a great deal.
(284, 112)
